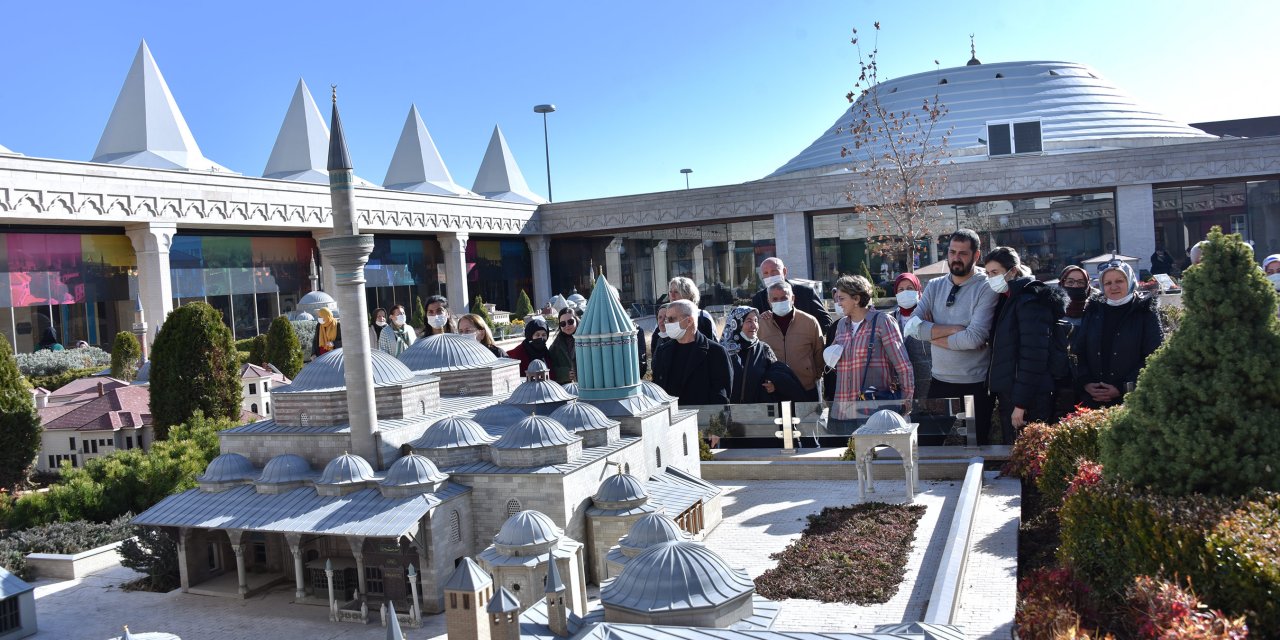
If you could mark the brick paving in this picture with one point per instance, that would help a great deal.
(760, 518)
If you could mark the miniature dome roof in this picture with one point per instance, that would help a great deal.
(303, 315)
(536, 432)
(327, 373)
(453, 432)
(620, 487)
(652, 391)
(538, 392)
(571, 387)
(580, 416)
(537, 366)
(317, 298)
(412, 470)
(885, 421)
(284, 468)
(446, 352)
(229, 467)
(674, 576)
(346, 469)
(499, 416)
(651, 529)
(577, 299)
(528, 528)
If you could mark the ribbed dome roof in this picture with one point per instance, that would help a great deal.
(1073, 102)
(538, 392)
(571, 387)
(327, 372)
(229, 467)
(536, 432)
(499, 416)
(413, 470)
(346, 469)
(446, 352)
(286, 467)
(620, 487)
(675, 576)
(527, 528)
(652, 391)
(580, 416)
(885, 421)
(316, 298)
(537, 366)
(651, 529)
(453, 432)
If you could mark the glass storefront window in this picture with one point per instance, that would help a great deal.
(1184, 216)
(401, 268)
(497, 271)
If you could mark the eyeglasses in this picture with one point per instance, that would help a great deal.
(1074, 282)
(951, 297)
(566, 323)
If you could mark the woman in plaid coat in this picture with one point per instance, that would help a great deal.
(885, 362)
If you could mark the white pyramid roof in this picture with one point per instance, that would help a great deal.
(4, 149)
(146, 129)
(301, 151)
(499, 177)
(416, 164)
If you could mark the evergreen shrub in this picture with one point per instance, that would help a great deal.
(194, 367)
(283, 348)
(478, 308)
(19, 423)
(56, 381)
(49, 363)
(306, 332)
(258, 350)
(155, 553)
(60, 537)
(1074, 440)
(524, 306)
(1246, 553)
(1203, 416)
(419, 319)
(126, 356)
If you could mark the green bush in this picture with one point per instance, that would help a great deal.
(155, 553)
(49, 363)
(1245, 551)
(306, 332)
(56, 381)
(478, 308)
(60, 537)
(126, 356)
(1203, 416)
(194, 367)
(282, 348)
(19, 423)
(1170, 318)
(419, 319)
(245, 344)
(524, 306)
(258, 350)
(1073, 440)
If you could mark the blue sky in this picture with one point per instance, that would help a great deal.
(730, 89)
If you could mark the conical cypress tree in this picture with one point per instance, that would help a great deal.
(419, 319)
(1203, 416)
(524, 306)
(283, 348)
(193, 366)
(478, 308)
(19, 422)
(126, 356)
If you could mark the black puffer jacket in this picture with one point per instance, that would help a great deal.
(755, 364)
(1136, 336)
(1021, 339)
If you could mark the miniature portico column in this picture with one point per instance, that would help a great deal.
(333, 603)
(151, 242)
(184, 577)
(454, 246)
(346, 252)
(791, 237)
(328, 283)
(295, 548)
(357, 550)
(242, 578)
(540, 259)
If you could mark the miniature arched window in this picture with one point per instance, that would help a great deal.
(304, 419)
(455, 526)
(657, 454)
(254, 407)
(684, 439)
(626, 468)
(267, 406)
(513, 507)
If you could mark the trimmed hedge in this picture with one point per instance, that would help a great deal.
(58, 380)
(1073, 440)
(60, 537)
(1246, 557)
(50, 363)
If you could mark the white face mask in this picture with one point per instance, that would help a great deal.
(908, 298)
(674, 330)
(772, 280)
(1121, 302)
(1275, 280)
(320, 320)
(781, 308)
(662, 332)
(477, 336)
(438, 321)
(399, 318)
(380, 322)
(997, 283)
(831, 355)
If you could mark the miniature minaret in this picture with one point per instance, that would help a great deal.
(608, 360)
(466, 594)
(557, 614)
(348, 251)
(393, 623)
(140, 328)
(314, 275)
(504, 615)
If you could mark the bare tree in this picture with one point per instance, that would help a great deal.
(899, 157)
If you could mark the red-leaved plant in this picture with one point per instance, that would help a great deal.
(1165, 611)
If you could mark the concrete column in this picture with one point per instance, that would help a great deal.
(242, 578)
(295, 548)
(357, 550)
(184, 575)
(151, 242)
(1136, 222)
(328, 281)
(613, 262)
(540, 259)
(660, 278)
(699, 265)
(455, 269)
(791, 237)
(731, 265)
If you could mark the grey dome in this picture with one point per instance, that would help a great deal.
(284, 468)
(446, 352)
(652, 391)
(347, 469)
(886, 421)
(620, 487)
(535, 432)
(651, 529)
(229, 467)
(577, 300)
(675, 576)
(303, 315)
(327, 373)
(499, 416)
(317, 298)
(571, 387)
(528, 528)
(413, 470)
(538, 392)
(453, 432)
(580, 416)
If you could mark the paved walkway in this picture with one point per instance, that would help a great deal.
(760, 518)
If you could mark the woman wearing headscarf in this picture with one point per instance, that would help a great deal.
(906, 288)
(1271, 267)
(49, 340)
(750, 358)
(564, 358)
(399, 335)
(1120, 329)
(534, 346)
(1074, 281)
(328, 337)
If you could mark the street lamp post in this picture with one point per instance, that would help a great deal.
(686, 173)
(544, 109)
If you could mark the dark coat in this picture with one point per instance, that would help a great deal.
(563, 358)
(1021, 339)
(642, 351)
(752, 367)
(807, 300)
(707, 326)
(706, 380)
(1137, 336)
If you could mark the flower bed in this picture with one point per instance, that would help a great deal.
(62, 538)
